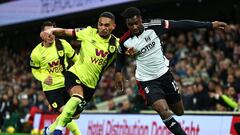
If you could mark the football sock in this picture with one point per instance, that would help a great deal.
(174, 126)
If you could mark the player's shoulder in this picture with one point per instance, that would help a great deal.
(90, 29)
(36, 48)
(36, 51)
(125, 36)
(63, 41)
(115, 37)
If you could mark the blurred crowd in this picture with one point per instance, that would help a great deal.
(205, 64)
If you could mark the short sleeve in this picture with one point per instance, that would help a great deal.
(34, 61)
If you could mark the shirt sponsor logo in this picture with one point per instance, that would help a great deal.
(102, 60)
(55, 67)
(54, 63)
(147, 48)
(101, 53)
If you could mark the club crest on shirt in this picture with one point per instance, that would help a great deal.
(54, 105)
(60, 53)
(112, 48)
(146, 90)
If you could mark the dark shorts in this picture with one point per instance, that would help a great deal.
(72, 80)
(57, 98)
(163, 87)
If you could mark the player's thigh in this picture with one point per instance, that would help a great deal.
(177, 108)
(161, 107)
(74, 86)
(56, 98)
(175, 102)
(172, 93)
(152, 91)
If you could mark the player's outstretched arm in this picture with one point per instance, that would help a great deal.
(120, 60)
(192, 24)
(56, 32)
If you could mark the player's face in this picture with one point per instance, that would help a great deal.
(50, 39)
(135, 25)
(105, 26)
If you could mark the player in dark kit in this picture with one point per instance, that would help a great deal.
(152, 71)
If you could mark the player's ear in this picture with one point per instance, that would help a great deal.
(140, 18)
(114, 26)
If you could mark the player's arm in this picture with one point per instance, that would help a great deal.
(61, 32)
(74, 57)
(57, 32)
(162, 26)
(225, 100)
(191, 24)
(37, 74)
(35, 67)
(229, 101)
(120, 61)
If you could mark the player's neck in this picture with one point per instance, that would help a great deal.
(105, 37)
(46, 44)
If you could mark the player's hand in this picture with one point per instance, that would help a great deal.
(130, 51)
(119, 81)
(48, 80)
(219, 25)
(45, 35)
(214, 95)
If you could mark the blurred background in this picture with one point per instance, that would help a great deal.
(205, 63)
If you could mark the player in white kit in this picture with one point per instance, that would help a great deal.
(152, 71)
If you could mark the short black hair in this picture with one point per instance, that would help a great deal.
(131, 12)
(47, 23)
(108, 15)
